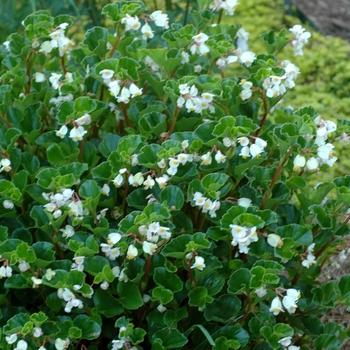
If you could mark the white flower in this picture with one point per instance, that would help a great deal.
(11, 339)
(160, 19)
(312, 164)
(261, 292)
(299, 162)
(5, 165)
(114, 88)
(274, 240)
(255, 151)
(147, 32)
(132, 252)
(285, 341)
(131, 23)
(135, 91)
(117, 344)
(77, 133)
(293, 347)
(206, 158)
(8, 204)
(162, 181)
(37, 332)
(199, 199)
(247, 58)
(243, 141)
(62, 131)
(68, 231)
(276, 306)
(114, 238)
(161, 308)
(118, 180)
(185, 57)
(46, 47)
(54, 80)
(104, 285)
(136, 180)
(61, 344)
(23, 266)
(105, 190)
(21, 345)
(149, 183)
(124, 95)
(149, 248)
(106, 73)
(84, 119)
(36, 282)
(39, 77)
(198, 263)
(294, 293)
(244, 202)
(309, 261)
(219, 157)
(289, 304)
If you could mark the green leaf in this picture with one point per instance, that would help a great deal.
(167, 279)
(239, 281)
(173, 197)
(299, 233)
(109, 144)
(213, 182)
(171, 338)
(129, 295)
(222, 309)
(198, 296)
(96, 40)
(163, 295)
(106, 303)
(176, 248)
(90, 329)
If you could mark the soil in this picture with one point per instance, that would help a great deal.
(330, 17)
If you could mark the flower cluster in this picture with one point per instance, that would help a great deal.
(289, 302)
(300, 39)
(5, 271)
(199, 46)
(70, 298)
(192, 101)
(157, 17)
(78, 131)
(243, 236)
(229, 6)
(310, 258)
(251, 150)
(206, 204)
(65, 197)
(153, 233)
(58, 40)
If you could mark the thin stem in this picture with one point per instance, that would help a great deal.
(275, 177)
(186, 11)
(102, 92)
(220, 16)
(148, 266)
(28, 63)
(173, 123)
(125, 113)
(263, 118)
(63, 65)
(126, 188)
(81, 151)
(115, 44)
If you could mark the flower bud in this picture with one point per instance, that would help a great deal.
(274, 240)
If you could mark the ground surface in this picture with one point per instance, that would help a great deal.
(331, 17)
